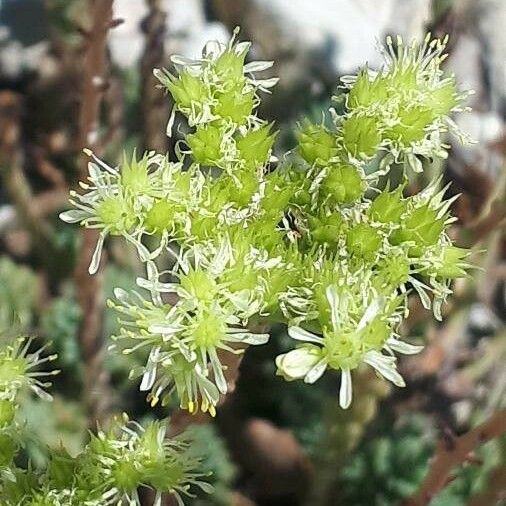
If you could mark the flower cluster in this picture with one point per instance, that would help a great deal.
(233, 241)
(110, 469)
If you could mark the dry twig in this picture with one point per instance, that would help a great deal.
(154, 107)
(89, 288)
(452, 452)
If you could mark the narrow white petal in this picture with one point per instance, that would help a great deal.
(345, 392)
(267, 83)
(170, 123)
(333, 300)
(403, 347)
(253, 339)
(371, 312)
(316, 372)
(164, 328)
(300, 334)
(219, 377)
(73, 215)
(95, 259)
(182, 60)
(149, 376)
(121, 294)
(257, 66)
(385, 366)
(421, 290)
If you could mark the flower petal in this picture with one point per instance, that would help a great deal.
(403, 347)
(333, 300)
(95, 259)
(254, 339)
(316, 372)
(300, 334)
(385, 366)
(297, 363)
(73, 215)
(345, 391)
(371, 312)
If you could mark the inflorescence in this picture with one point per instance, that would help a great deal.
(323, 241)
(110, 469)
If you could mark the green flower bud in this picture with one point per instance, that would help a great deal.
(243, 193)
(296, 363)
(185, 90)
(365, 92)
(200, 285)
(205, 144)
(301, 183)
(235, 105)
(165, 475)
(203, 227)
(62, 468)
(326, 229)
(183, 182)
(254, 147)
(12, 372)
(134, 174)
(443, 99)
(278, 193)
(404, 79)
(343, 183)
(421, 227)
(361, 136)
(392, 271)
(230, 66)
(278, 281)
(161, 216)
(126, 475)
(316, 144)
(412, 124)
(388, 207)
(363, 241)
(453, 262)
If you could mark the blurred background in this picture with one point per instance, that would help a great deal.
(272, 443)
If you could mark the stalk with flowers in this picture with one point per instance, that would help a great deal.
(315, 240)
(234, 239)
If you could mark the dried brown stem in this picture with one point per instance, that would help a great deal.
(89, 288)
(495, 491)
(449, 455)
(154, 106)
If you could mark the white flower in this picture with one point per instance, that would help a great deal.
(318, 353)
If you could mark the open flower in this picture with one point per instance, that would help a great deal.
(340, 349)
(19, 369)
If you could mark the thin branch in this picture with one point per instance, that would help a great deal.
(495, 491)
(453, 452)
(89, 288)
(153, 101)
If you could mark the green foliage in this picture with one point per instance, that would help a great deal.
(217, 464)
(60, 322)
(17, 297)
(390, 466)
